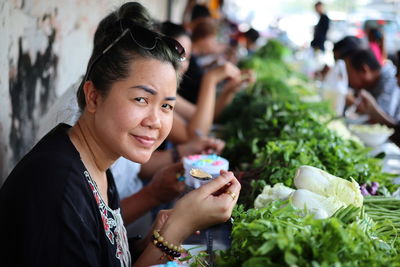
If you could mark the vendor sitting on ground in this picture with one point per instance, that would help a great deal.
(365, 72)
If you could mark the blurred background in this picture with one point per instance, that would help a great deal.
(293, 20)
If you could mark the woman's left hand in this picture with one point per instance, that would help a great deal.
(202, 207)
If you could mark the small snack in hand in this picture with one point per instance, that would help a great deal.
(199, 174)
(210, 164)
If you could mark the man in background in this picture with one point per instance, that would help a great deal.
(321, 29)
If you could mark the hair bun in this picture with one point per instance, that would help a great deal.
(131, 11)
(136, 13)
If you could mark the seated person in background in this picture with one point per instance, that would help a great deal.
(241, 44)
(193, 14)
(205, 46)
(369, 106)
(365, 72)
(250, 38)
(341, 49)
(191, 119)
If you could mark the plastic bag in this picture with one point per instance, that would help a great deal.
(335, 87)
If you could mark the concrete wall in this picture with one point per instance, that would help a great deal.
(44, 49)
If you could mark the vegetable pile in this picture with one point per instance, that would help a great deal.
(276, 236)
(270, 133)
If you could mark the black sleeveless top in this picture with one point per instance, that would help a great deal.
(52, 213)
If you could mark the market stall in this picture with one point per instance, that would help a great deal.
(273, 137)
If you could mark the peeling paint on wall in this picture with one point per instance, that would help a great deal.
(37, 38)
(31, 92)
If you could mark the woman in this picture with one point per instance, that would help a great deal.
(60, 206)
(192, 119)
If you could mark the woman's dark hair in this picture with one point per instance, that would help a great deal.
(133, 11)
(363, 57)
(173, 30)
(114, 64)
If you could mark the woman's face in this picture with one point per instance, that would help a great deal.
(135, 116)
(185, 41)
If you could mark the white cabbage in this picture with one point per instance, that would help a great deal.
(269, 194)
(322, 207)
(327, 185)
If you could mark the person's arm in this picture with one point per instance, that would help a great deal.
(183, 130)
(184, 108)
(230, 90)
(158, 160)
(179, 133)
(203, 117)
(370, 107)
(389, 96)
(204, 114)
(195, 211)
(224, 99)
(134, 206)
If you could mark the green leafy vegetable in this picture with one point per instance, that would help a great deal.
(279, 236)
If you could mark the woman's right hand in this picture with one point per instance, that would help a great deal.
(202, 208)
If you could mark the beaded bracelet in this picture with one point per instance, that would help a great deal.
(168, 248)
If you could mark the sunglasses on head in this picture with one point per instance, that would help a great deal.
(144, 38)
